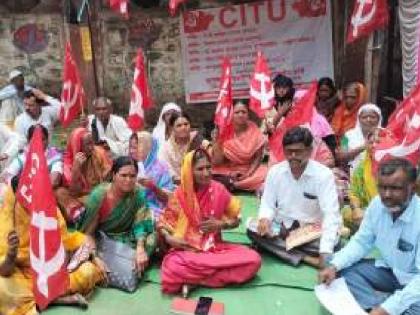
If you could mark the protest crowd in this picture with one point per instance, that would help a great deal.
(333, 183)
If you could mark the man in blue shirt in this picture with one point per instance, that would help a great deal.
(391, 283)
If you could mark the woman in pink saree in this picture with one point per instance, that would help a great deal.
(239, 158)
(190, 229)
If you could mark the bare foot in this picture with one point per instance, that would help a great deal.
(72, 299)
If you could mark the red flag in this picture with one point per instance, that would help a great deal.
(261, 89)
(399, 118)
(72, 94)
(368, 15)
(173, 6)
(47, 254)
(141, 98)
(301, 113)
(120, 6)
(405, 128)
(224, 110)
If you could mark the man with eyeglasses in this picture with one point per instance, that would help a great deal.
(389, 284)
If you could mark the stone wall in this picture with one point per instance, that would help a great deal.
(33, 43)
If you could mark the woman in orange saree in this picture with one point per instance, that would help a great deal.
(239, 158)
(191, 228)
(85, 166)
(345, 115)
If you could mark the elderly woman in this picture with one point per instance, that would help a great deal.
(363, 183)
(181, 141)
(162, 131)
(356, 140)
(327, 100)
(16, 295)
(85, 166)
(155, 178)
(118, 209)
(345, 115)
(239, 159)
(191, 227)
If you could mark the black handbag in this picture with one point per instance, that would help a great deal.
(120, 261)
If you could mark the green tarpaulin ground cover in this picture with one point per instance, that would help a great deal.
(277, 289)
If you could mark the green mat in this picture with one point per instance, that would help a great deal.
(250, 206)
(278, 289)
(272, 273)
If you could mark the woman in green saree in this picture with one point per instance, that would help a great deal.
(118, 209)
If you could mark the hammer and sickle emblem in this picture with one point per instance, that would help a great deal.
(69, 97)
(359, 19)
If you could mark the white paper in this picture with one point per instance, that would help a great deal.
(337, 298)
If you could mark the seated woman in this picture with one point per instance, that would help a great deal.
(85, 166)
(345, 115)
(355, 141)
(328, 99)
(118, 210)
(53, 156)
(362, 183)
(361, 192)
(156, 179)
(286, 97)
(162, 130)
(239, 159)
(191, 227)
(16, 296)
(181, 141)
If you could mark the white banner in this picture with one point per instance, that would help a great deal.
(294, 35)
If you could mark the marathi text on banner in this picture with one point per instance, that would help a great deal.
(292, 34)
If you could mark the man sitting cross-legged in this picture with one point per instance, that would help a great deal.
(391, 284)
(298, 192)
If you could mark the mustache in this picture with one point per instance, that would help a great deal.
(295, 160)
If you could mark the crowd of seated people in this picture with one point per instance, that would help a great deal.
(169, 194)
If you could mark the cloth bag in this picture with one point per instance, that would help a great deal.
(120, 261)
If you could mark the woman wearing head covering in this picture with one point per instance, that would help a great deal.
(85, 166)
(355, 141)
(162, 131)
(155, 177)
(191, 227)
(286, 96)
(284, 93)
(328, 99)
(345, 115)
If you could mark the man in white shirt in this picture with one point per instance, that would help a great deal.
(36, 114)
(298, 192)
(52, 155)
(11, 98)
(10, 144)
(108, 130)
